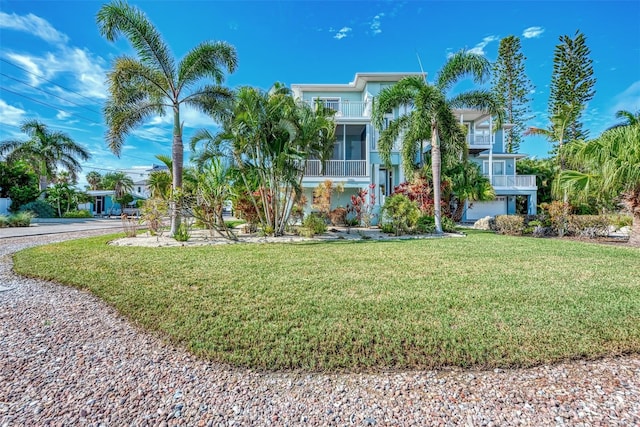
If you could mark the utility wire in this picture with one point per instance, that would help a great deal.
(46, 80)
(48, 105)
(48, 93)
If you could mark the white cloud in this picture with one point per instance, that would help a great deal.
(342, 33)
(11, 116)
(375, 24)
(33, 24)
(479, 48)
(62, 115)
(532, 32)
(628, 100)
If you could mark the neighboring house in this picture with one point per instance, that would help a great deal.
(140, 175)
(104, 204)
(356, 162)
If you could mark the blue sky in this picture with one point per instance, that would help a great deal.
(53, 60)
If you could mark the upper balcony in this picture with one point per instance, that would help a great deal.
(513, 181)
(336, 168)
(479, 141)
(346, 109)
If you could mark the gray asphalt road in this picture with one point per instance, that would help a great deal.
(62, 226)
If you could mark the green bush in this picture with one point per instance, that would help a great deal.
(387, 227)
(448, 225)
(618, 221)
(4, 221)
(402, 212)
(426, 224)
(588, 225)
(39, 208)
(512, 225)
(83, 213)
(21, 219)
(183, 233)
(313, 224)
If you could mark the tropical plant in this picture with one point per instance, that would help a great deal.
(545, 171)
(38, 208)
(431, 116)
(94, 179)
(214, 188)
(401, 212)
(153, 84)
(572, 83)
(62, 197)
(120, 183)
(608, 165)
(18, 183)
(512, 88)
(467, 184)
(45, 151)
(630, 119)
(268, 137)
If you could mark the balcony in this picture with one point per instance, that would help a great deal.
(479, 142)
(336, 168)
(513, 181)
(346, 109)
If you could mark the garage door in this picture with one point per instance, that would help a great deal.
(481, 209)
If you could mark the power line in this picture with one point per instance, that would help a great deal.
(46, 80)
(48, 93)
(48, 105)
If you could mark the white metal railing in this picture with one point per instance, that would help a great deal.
(483, 139)
(345, 108)
(523, 181)
(336, 168)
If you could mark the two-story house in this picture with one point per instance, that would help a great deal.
(356, 162)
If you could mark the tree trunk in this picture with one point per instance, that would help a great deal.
(177, 154)
(634, 238)
(436, 165)
(457, 213)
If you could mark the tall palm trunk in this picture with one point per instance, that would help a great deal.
(633, 203)
(177, 150)
(436, 166)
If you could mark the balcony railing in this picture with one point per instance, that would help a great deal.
(519, 181)
(479, 139)
(336, 168)
(346, 108)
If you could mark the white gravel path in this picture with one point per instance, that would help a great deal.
(68, 359)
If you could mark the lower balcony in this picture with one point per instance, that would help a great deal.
(336, 168)
(513, 181)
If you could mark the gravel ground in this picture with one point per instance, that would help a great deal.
(68, 359)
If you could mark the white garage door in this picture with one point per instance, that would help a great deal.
(481, 209)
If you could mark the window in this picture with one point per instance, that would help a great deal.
(498, 167)
(330, 103)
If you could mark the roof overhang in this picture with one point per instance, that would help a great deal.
(357, 85)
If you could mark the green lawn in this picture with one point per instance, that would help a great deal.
(484, 300)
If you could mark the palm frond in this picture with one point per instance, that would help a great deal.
(460, 65)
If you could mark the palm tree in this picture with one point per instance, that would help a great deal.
(152, 83)
(268, 137)
(468, 184)
(609, 165)
(45, 151)
(93, 179)
(629, 118)
(120, 182)
(431, 116)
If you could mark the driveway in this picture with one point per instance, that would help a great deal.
(61, 226)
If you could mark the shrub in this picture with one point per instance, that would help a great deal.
(387, 227)
(39, 208)
(448, 225)
(618, 221)
(4, 221)
(183, 233)
(512, 225)
(313, 224)
(338, 216)
(21, 219)
(153, 213)
(558, 216)
(83, 213)
(402, 212)
(590, 226)
(426, 224)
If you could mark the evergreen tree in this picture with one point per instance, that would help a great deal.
(512, 87)
(572, 81)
